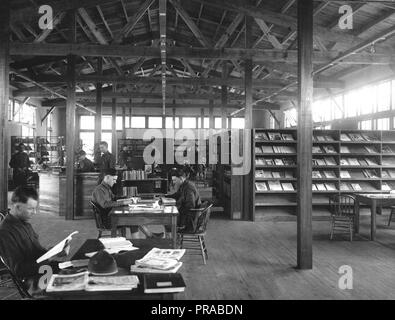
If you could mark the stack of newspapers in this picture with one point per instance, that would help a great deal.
(159, 261)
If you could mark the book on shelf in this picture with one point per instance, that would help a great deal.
(385, 174)
(344, 149)
(343, 162)
(267, 174)
(260, 186)
(370, 173)
(344, 137)
(288, 161)
(269, 162)
(259, 174)
(278, 162)
(275, 186)
(288, 174)
(368, 137)
(287, 137)
(329, 138)
(330, 174)
(329, 149)
(345, 174)
(353, 162)
(287, 186)
(320, 138)
(370, 162)
(317, 149)
(391, 173)
(356, 186)
(163, 283)
(370, 149)
(321, 187)
(288, 149)
(267, 149)
(330, 161)
(260, 162)
(385, 187)
(276, 174)
(386, 149)
(261, 136)
(316, 174)
(363, 162)
(344, 186)
(314, 187)
(356, 137)
(330, 186)
(274, 136)
(320, 162)
(258, 150)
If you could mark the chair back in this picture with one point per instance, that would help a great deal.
(3, 214)
(342, 205)
(97, 213)
(17, 282)
(202, 216)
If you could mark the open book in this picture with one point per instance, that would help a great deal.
(56, 249)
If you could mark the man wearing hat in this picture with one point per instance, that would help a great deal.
(20, 164)
(105, 199)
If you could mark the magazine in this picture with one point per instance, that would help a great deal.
(72, 282)
(161, 259)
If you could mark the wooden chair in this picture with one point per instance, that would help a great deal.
(100, 225)
(342, 208)
(195, 239)
(19, 285)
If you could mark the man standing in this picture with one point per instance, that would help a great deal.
(19, 244)
(20, 164)
(84, 164)
(106, 160)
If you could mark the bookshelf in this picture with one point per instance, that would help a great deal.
(344, 162)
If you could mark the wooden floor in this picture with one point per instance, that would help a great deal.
(256, 260)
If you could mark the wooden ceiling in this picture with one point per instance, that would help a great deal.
(200, 37)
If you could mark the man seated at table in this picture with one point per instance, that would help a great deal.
(105, 199)
(84, 164)
(187, 197)
(19, 244)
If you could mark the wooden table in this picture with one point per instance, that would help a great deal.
(124, 261)
(124, 217)
(375, 201)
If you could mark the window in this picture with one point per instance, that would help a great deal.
(365, 125)
(383, 124)
(384, 96)
(320, 110)
(351, 103)
(154, 122)
(290, 118)
(118, 123)
(272, 122)
(88, 143)
(189, 122)
(238, 123)
(106, 122)
(138, 122)
(393, 94)
(27, 131)
(87, 123)
(206, 123)
(367, 100)
(217, 123)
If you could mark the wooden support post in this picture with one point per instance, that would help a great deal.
(202, 118)
(70, 125)
(114, 124)
(174, 117)
(99, 103)
(224, 95)
(211, 114)
(305, 132)
(4, 98)
(124, 122)
(248, 75)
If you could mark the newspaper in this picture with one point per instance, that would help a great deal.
(141, 269)
(161, 259)
(56, 249)
(73, 282)
(114, 245)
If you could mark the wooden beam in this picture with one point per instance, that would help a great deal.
(133, 21)
(70, 125)
(45, 33)
(224, 94)
(99, 103)
(258, 55)
(114, 125)
(304, 135)
(248, 76)
(4, 99)
(191, 24)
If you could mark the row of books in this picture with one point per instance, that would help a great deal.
(386, 149)
(324, 187)
(274, 186)
(324, 174)
(274, 149)
(357, 187)
(134, 175)
(326, 161)
(323, 138)
(130, 191)
(357, 137)
(275, 162)
(273, 174)
(274, 136)
(324, 149)
(368, 149)
(357, 162)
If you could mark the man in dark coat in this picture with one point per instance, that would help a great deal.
(20, 164)
(84, 164)
(106, 161)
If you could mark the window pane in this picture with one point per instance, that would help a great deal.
(365, 125)
(351, 103)
(119, 123)
(383, 124)
(107, 136)
(206, 123)
(217, 123)
(177, 123)
(154, 122)
(106, 122)
(88, 143)
(393, 94)
(237, 123)
(383, 96)
(189, 122)
(169, 123)
(87, 123)
(138, 122)
(367, 100)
